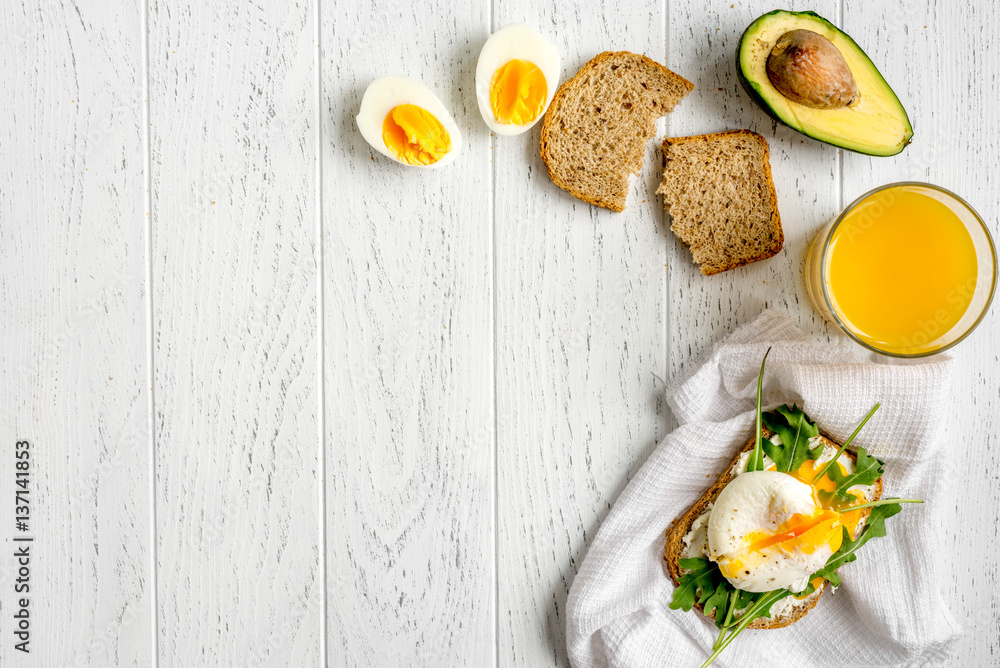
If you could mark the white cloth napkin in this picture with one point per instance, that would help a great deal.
(888, 611)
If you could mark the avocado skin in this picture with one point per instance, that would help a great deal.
(759, 100)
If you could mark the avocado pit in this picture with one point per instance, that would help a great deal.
(807, 68)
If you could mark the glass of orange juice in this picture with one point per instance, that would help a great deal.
(907, 270)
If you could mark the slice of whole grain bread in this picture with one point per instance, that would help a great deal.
(596, 129)
(674, 549)
(720, 194)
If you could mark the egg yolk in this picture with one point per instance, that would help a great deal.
(518, 92)
(414, 135)
(799, 533)
(804, 533)
(815, 582)
(823, 491)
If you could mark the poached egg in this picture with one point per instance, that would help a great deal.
(772, 530)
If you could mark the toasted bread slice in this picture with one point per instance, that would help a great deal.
(596, 129)
(720, 194)
(674, 549)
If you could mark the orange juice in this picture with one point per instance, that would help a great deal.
(901, 270)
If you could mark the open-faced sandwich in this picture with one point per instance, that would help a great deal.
(761, 545)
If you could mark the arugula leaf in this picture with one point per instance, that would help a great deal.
(724, 628)
(725, 614)
(705, 584)
(718, 601)
(810, 588)
(867, 471)
(756, 462)
(745, 599)
(703, 574)
(761, 608)
(874, 528)
(827, 574)
(880, 502)
(843, 446)
(794, 429)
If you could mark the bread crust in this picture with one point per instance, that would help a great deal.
(779, 239)
(569, 86)
(679, 528)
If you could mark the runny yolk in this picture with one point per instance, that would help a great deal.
(823, 491)
(801, 533)
(804, 533)
(518, 92)
(415, 135)
(815, 582)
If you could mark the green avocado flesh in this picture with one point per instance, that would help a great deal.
(876, 124)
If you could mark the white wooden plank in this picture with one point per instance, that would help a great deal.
(234, 146)
(703, 309)
(950, 94)
(73, 332)
(408, 301)
(580, 343)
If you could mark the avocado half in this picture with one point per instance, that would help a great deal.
(875, 124)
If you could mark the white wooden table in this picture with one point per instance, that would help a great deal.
(291, 405)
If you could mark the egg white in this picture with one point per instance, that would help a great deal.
(761, 501)
(516, 41)
(386, 93)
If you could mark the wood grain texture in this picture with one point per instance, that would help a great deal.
(234, 146)
(579, 344)
(950, 95)
(493, 347)
(72, 331)
(408, 328)
(703, 309)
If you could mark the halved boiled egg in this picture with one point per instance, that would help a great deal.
(516, 78)
(401, 118)
(768, 531)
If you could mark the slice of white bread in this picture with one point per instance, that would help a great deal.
(719, 192)
(595, 132)
(674, 549)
